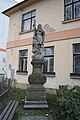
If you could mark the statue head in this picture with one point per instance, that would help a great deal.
(39, 26)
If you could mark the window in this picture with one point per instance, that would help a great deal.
(28, 21)
(76, 58)
(72, 9)
(49, 59)
(23, 60)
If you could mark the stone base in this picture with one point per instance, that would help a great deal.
(36, 92)
(36, 97)
(35, 104)
(36, 117)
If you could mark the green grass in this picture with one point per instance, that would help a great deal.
(2, 88)
(51, 97)
(62, 102)
(19, 94)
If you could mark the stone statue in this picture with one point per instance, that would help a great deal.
(38, 41)
(36, 92)
(40, 36)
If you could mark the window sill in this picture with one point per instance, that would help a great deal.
(21, 72)
(74, 75)
(68, 21)
(49, 74)
(20, 33)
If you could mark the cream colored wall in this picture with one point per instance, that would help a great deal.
(47, 12)
(14, 26)
(13, 59)
(63, 63)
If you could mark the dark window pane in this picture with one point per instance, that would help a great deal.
(26, 16)
(25, 64)
(21, 64)
(33, 13)
(68, 14)
(77, 48)
(48, 51)
(77, 64)
(32, 22)
(77, 10)
(23, 60)
(23, 53)
(49, 59)
(28, 21)
(75, 0)
(72, 9)
(68, 1)
(51, 64)
(45, 69)
(26, 25)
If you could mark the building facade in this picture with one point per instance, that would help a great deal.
(4, 23)
(61, 21)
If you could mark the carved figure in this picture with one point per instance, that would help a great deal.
(40, 35)
(38, 41)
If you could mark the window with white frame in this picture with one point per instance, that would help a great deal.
(49, 60)
(71, 9)
(23, 54)
(28, 21)
(76, 58)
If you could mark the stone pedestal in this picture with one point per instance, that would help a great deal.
(36, 92)
(36, 97)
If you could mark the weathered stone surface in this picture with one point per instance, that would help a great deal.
(35, 104)
(38, 42)
(37, 77)
(36, 92)
(36, 118)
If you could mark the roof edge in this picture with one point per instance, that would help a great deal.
(18, 4)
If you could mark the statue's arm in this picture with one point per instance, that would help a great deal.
(34, 28)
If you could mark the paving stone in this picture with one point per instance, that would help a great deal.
(36, 118)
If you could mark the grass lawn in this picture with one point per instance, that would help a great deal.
(65, 105)
(19, 94)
